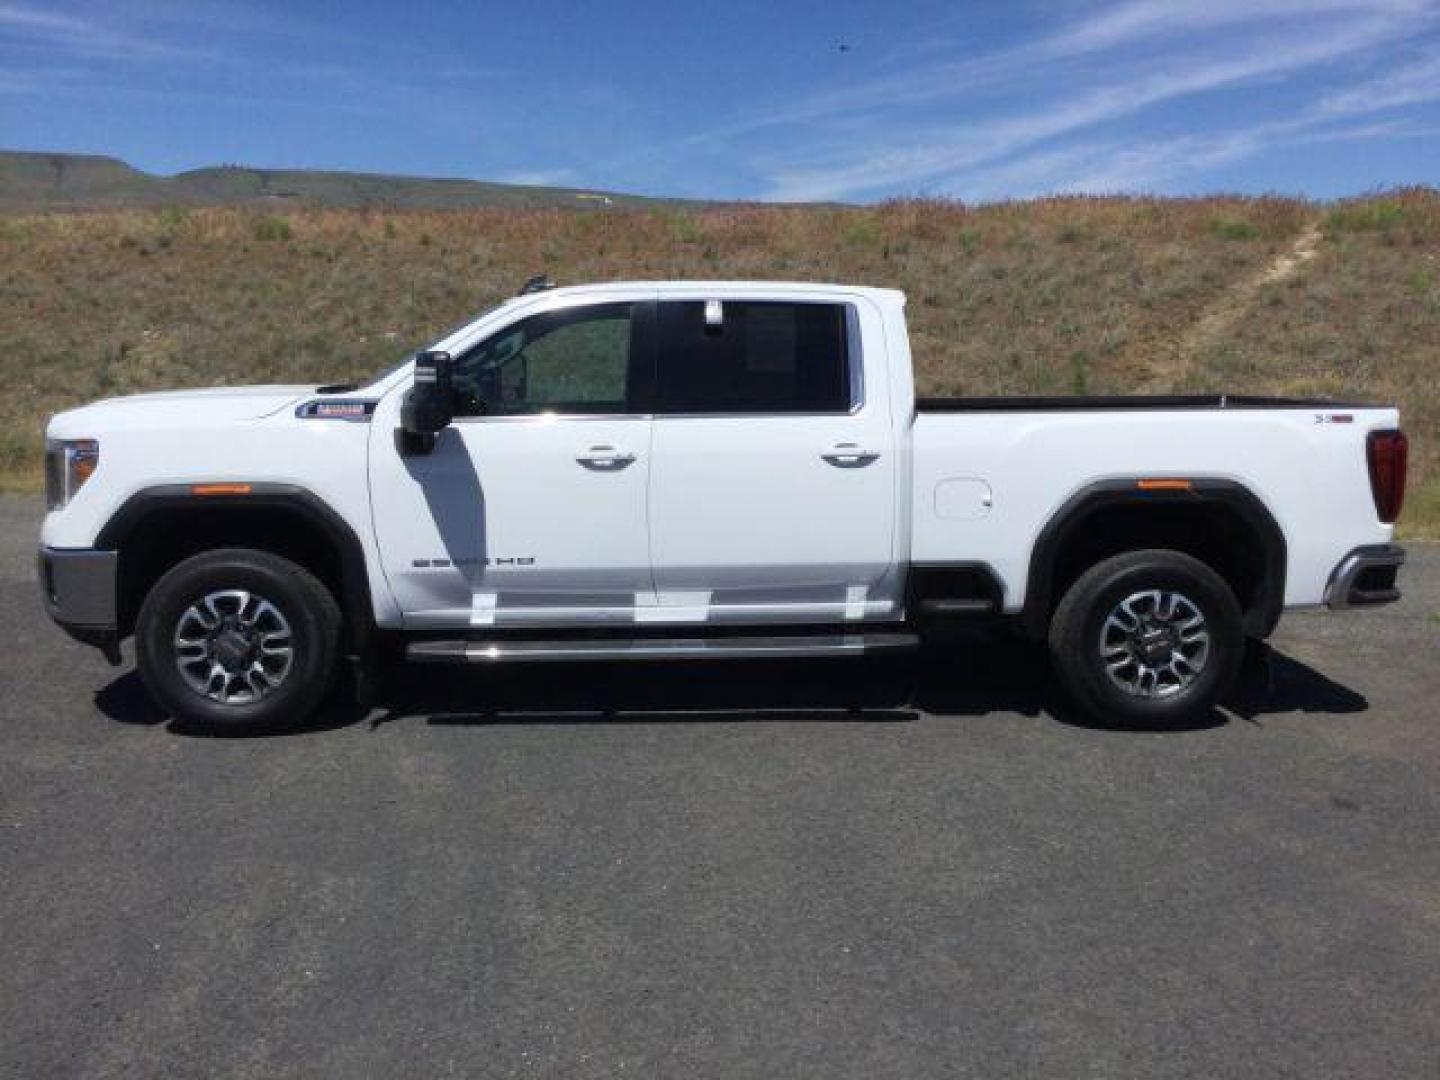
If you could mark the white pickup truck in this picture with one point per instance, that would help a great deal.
(698, 470)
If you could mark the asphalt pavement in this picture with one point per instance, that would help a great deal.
(784, 869)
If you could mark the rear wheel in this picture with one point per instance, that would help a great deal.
(238, 639)
(1148, 637)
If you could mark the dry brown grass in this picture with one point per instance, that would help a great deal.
(1052, 296)
(1360, 319)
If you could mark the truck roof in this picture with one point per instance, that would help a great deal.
(786, 288)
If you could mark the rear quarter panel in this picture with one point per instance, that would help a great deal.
(1310, 473)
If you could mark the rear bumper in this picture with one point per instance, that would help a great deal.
(1366, 577)
(78, 586)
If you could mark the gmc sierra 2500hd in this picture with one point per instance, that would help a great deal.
(696, 470)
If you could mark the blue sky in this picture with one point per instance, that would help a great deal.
(785, 99)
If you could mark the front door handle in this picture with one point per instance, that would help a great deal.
(849, 455)
(604, 457)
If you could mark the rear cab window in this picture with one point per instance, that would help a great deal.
(753, 356)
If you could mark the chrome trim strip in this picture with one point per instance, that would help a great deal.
(835, 414)
(550, 418)
(658, 648)
(854, 360)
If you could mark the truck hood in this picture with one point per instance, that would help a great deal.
(218, 405)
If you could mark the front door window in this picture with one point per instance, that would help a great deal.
(575, 361)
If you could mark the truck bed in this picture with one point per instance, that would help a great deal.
(989, 473)
(1196, 402)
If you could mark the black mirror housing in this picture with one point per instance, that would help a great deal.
(430, 405)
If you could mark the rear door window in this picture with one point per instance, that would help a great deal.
(744, 356)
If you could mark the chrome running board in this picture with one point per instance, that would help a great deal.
(715, 648)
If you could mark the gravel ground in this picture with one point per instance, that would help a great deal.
(917, 868)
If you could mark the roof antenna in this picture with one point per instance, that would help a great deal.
(538, 283)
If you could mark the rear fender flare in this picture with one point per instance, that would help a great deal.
(1261, 614)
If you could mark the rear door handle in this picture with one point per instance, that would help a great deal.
(604, 457)
(849, 455)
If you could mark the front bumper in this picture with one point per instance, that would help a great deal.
(79, 588)
(1366, 577)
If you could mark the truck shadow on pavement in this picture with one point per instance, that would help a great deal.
(1017, 678)
(964, 679)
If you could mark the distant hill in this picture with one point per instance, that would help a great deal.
(44, 181)
(1074, 295)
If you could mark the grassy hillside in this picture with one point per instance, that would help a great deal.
(1054, 296)
(49, 181)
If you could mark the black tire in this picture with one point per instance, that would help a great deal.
(1080, 621)
(305, 605)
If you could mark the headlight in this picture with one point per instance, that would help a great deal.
(68, 464)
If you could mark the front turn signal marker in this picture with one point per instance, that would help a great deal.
(220, 489)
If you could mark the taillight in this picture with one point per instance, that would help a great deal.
(1387, 452)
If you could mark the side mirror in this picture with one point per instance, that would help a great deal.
(430, 405)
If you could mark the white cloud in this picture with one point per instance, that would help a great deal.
(1417, 82)
(1114, 166)
(1125, 24)
(912, 129)
(915, 156)
(1155, 18)
(41, 81)
(557, 177)
(1142, 167)
(72, 33)
(139, 30)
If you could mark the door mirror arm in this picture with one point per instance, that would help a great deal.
(429, 405)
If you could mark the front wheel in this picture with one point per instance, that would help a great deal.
(238, 639)
(1148, 637)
